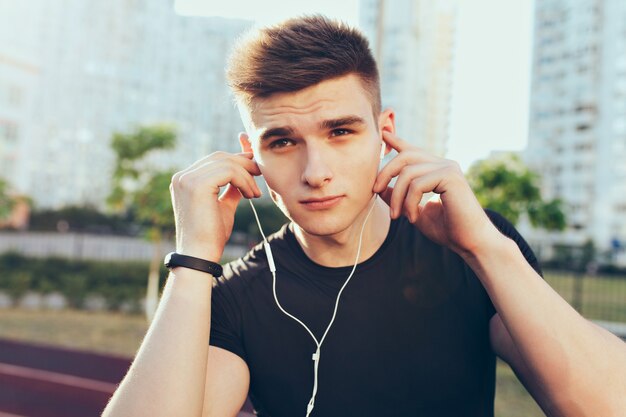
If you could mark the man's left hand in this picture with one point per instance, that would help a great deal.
(453, 217)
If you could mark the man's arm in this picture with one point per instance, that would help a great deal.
(569, 365)
(503, 346)
(580, 368)
(167, 377)
(227, 383)
(176, 372)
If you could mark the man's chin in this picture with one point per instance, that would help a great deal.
(322, 227)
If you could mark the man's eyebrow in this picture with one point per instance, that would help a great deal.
(276, 131)
(342, 121)
(326, 124)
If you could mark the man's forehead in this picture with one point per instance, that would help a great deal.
(325, 101)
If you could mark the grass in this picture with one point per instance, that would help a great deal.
(512, 399)
(121, 334)
(111, 333)
(601, 297)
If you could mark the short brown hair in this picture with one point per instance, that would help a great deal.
(299, 53)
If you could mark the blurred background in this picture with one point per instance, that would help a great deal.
(102, 101)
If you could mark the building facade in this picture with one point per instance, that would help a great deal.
(413, 41)
(84, 70)
(577, 130)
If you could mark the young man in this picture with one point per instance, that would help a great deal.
(438, 289)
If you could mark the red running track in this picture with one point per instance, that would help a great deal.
(45, 381)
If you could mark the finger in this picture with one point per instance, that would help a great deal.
(420, 186)
(395, 142)
(252, 190)
(399, 194)
(249, 164)
(397, 164)
(244, 158)
(399, 170)
(416, 180)
(230, 197)
(218, 174)
(226, 165)
(412, 202)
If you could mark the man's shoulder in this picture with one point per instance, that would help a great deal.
(253, 263)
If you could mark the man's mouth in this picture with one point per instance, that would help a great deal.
(322, 202)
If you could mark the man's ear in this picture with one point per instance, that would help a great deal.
(244, 141)
(387, 121)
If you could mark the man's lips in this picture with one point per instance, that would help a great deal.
(323, 202)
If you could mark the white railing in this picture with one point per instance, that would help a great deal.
(89, 246)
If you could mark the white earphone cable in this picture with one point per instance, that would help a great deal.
(272, 266)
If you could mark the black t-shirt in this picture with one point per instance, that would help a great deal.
(410, 338)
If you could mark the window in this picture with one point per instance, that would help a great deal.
(8, 132)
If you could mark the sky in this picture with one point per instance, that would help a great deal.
(491, 77)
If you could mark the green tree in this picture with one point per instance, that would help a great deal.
(7, 201)
(507, 186)
(81, 218)
(270, 216)
(139, 187)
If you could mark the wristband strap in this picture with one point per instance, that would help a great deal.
(173, 259)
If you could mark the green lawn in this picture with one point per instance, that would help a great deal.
(601, 297)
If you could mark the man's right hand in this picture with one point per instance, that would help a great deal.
(204, 220)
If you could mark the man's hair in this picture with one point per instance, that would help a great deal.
(299, 53)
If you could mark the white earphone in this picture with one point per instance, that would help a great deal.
(272, 266)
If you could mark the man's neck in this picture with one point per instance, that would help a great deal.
(340, 249)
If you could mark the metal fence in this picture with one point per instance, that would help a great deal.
(597, 297)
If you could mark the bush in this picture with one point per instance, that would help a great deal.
(17, 283)
(119, 283)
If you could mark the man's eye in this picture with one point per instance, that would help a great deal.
(341, 132)
(281, 143)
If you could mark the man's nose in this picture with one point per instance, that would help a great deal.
(317, 170)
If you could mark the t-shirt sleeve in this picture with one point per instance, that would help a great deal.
(226, 317)
(507, 229)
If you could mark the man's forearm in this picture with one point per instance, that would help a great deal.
(581, 367)
(167, 377)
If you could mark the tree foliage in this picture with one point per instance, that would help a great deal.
(139, 187)
(82, 219)
(7, 201)
(507, 186)
(270, 216)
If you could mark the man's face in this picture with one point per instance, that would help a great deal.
(318, 149)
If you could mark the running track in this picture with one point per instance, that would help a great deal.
(45, 381)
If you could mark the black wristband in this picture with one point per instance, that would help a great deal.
(173, 259)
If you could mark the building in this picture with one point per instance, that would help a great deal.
(18, 79)
(81, 71)
(577, 130)
(413, 41)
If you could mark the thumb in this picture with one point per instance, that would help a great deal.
(230, 197)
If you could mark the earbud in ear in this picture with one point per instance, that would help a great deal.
(382, 151)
